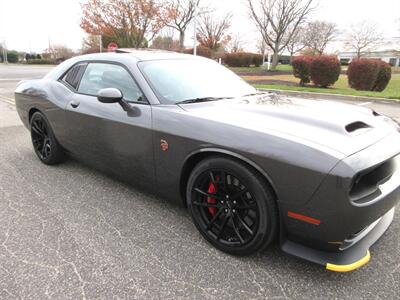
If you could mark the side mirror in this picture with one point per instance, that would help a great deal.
(110, 95)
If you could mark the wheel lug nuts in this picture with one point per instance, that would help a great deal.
(234, 210)
(234, 202)
(226, 210)
(222, 201)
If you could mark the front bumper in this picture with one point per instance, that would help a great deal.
(338, 231)
(349, 259)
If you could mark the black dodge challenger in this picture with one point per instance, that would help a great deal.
(322, 178)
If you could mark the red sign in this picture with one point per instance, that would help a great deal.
(112, 47)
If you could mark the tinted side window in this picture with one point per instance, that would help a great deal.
(74, 75)
(102, 75)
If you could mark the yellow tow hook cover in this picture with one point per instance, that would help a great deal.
(350, 267)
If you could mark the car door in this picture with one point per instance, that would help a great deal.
(114, 137)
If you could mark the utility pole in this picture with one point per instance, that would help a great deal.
(52, 55)
(101, 43)
(3, 41)
(195, 32)
(5, 60)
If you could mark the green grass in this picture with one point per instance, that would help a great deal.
(258, 70)
(284, 68)
(341, 87)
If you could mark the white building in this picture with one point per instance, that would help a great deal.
(390, 56)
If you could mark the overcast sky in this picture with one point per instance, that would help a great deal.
(29, 25)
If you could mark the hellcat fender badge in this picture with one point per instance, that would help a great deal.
(164, 145)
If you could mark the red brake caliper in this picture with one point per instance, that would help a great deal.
(212, 190)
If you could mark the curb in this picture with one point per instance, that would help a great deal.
(309, 95)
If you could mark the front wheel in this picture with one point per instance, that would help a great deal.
(232, 206)
(44, 142)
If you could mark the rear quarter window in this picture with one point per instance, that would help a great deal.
(74, 75)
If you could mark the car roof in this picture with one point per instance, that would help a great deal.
(122, 55)
(139, 55)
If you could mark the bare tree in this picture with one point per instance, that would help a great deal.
(91, 44)
(362, 37)
(261, 47)
(277, 21)
(59, 52)
(236, 44)
(182, 12)
(165, 43)
(213, 32)
(318, 35)
(296, 43)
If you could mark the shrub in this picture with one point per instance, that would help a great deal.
(201, 51)
(369, 74)
(243, 59)
(257, 59)
(12, 56)
(324, 70)
(301, 68)
(384, 76)
(362, 74)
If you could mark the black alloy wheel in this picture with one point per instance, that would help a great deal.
(44, 142)
(232, 206)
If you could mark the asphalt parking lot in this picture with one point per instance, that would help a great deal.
(70, 232)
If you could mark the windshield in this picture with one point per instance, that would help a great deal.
(185, 79)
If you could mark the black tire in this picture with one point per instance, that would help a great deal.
(237, 215)
(44, 142)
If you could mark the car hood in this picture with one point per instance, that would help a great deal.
(341, 127)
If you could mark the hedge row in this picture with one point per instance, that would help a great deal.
(369, 74)
(239, 59)
(41, 61)
(323, 70)
(201, 51)
(243, 59)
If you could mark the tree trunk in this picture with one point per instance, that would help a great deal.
(291, 58)
(275, 60)
(182, 40)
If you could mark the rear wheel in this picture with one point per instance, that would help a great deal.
(232, 206)
(44, 142)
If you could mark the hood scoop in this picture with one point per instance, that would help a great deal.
(356, 128)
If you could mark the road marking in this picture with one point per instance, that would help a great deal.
(7, 100)
(364, 103)
(13, 79)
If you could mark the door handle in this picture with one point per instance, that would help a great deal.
(74, 104)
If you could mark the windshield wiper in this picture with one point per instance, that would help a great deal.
(202, 99)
